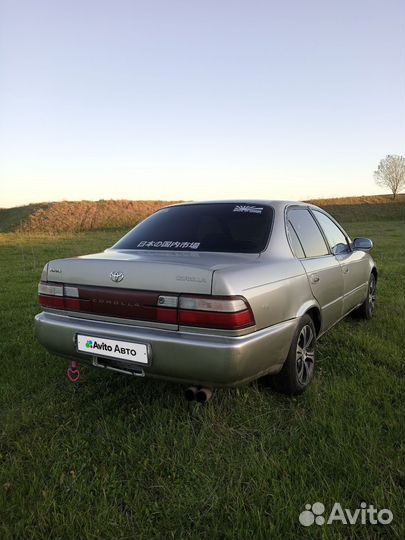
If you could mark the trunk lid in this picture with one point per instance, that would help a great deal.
(148, 271)
(139, 286)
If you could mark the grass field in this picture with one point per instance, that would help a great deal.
(118, 457)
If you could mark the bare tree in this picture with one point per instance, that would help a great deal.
(391, 173)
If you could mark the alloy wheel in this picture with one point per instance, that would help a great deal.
(305, 354)
(371, 294)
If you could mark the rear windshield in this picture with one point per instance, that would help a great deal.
(223, 227)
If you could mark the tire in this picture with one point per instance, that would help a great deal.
(366, 310)
(299, 366)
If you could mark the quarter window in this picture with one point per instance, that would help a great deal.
(337, 240)
(307, 232)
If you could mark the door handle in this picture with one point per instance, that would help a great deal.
(345, 269)
(314, 278)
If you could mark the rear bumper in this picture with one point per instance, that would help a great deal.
(179, 356)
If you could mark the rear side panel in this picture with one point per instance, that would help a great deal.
(275, 288)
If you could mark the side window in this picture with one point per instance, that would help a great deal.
(295, 243)
(308, 232)
(337, 240)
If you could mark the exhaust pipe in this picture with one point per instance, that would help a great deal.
(203, 395)
(191, 393)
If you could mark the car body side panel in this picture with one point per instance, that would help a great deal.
(275, 288)
(356, 268)
(279, 301)
(356, 273)
(326, 280)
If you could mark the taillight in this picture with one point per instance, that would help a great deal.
(167, 309)
(51, 289)
(55, 295)
(227, 313)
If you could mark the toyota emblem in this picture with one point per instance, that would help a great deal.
(116, 276)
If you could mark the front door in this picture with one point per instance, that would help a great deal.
(353, 263)
(323, 269)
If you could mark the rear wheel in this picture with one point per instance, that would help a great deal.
(298, 369)
(366, 310)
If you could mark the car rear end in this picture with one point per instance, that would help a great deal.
(145, 307)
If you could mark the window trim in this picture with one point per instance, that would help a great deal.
(289, 224)
(304, 207)
(347, 238)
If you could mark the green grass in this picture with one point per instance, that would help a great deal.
(366, 208)
(349, 213)
(119, 457)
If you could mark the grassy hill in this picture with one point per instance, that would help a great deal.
(12, 218)
(74, 216)
(373, 207)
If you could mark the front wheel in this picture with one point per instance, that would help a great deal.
(298, 369)
(366, 310)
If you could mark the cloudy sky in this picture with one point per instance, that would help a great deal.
(192, 99)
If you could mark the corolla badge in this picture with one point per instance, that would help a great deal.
(116, 276)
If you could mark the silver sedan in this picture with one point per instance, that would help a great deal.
(210, 294)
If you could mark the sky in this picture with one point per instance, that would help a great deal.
(194, 100)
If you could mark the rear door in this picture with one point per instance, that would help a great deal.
(354, 265)
(322, 267)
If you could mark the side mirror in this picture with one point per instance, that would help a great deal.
(362, 244)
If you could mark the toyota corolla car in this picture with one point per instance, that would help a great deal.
(210, 294)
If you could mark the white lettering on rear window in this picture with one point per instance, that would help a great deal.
(168, 244)
(248, 209)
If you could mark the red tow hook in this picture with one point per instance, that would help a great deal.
(73, 372)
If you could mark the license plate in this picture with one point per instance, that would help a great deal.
(113, 348)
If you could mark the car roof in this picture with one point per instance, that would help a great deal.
(279, 204)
